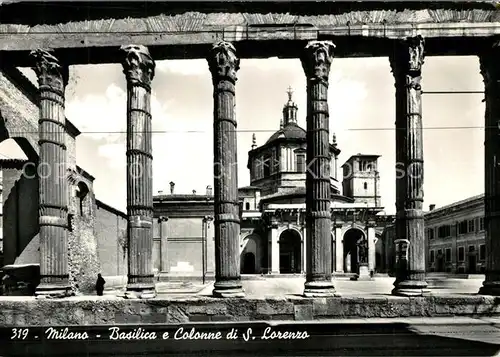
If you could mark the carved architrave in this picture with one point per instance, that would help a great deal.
(222, 62)
(138, 65)
(49, 71)
(316, 60)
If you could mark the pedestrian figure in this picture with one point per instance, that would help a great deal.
(99, 285)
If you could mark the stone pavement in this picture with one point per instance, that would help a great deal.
(274, 287)
(267, 300)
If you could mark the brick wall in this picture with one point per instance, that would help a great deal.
(111, 232)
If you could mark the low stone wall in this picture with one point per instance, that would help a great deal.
(112, 310)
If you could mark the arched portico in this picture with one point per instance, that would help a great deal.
(352, 238)
(250, 257)
(290, 242)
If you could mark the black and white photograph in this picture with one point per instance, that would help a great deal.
(249, 178)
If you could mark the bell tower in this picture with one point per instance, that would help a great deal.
(361, 179)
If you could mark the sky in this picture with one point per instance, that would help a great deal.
(362, 115)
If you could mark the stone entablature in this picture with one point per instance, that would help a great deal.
(391, 20)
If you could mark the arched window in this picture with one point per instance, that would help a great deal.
(365, 185)
(247, 206)
(81, 193)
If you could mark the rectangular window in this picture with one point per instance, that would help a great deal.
(471, 226)
(448, 255)
(444, 231)
(481, 223)
(461, 254)
(482, 252)
(462, 227)
(432, 256)
(431, 233)
(301, 163)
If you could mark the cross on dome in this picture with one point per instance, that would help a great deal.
(289, 92)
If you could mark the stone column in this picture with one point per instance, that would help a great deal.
(163, 221)
(339, 249)
(223, 65)
(406, 63)
(53, 178)
(139, 67)
(275, 250)
(304, 249)
(370, 234)
(316, 61)
(489, 62)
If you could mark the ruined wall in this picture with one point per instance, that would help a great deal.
(84, 262)
(19, 117)
(20, 207)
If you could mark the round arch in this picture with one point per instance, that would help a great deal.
(352, 237)
(250, 256)
(290, 241)
(28, 144)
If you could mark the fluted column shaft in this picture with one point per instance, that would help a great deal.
(489, 62)
(406, 63)
(53, 179)
(223, 65)
(316, 61)
(138, 67)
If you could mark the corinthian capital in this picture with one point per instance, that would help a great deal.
(138, 65)
(222, 61)
(49, 71)
(317, 58)
(489, 62)
(408, 58)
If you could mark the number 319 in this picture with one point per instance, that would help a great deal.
(19, 333)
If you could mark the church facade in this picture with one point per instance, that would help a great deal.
(272, 211)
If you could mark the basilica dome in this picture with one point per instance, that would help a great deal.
(290, 131)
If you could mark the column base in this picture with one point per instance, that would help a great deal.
(53, 291)
(319, 289)
(140, 291)
(228, 289)
(410, 288)
(490, 288)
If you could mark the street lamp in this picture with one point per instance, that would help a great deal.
(206, 225)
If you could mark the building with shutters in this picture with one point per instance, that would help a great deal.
(455, 236)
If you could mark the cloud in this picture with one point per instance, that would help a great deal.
(191, 67)
(100, 116)
(103, 117)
